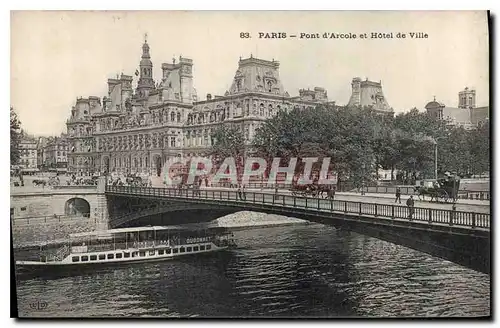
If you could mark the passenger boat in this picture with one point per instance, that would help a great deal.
(130, 245)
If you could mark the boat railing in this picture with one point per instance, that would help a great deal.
(60, 255)
(144, 244)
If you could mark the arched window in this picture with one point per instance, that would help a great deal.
(261, 113)
(135, 162)
(172, 116)
(270, 111)
(146, 161)
(140, 161)
(178, 117)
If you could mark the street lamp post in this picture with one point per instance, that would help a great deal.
(436, 160)
(363, 179)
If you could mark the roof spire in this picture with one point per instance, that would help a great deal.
(434, 98)
(146, 37)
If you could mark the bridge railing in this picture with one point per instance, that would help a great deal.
(406, 190)
(388, 211)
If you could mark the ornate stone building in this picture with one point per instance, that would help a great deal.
(136, 132)
(369, 94)
(55, 153)
(466, 114)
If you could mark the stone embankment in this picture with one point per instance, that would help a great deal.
(39, 231)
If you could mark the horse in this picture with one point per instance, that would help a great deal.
(321, 189)
(38, 182)
(422, 191)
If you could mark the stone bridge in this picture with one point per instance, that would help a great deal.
(459, 236)
(61, 201)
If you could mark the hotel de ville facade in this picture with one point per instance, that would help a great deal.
(136, 131)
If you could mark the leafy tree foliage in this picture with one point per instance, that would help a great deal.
(15, 136)
(360, 141)
(228, 141)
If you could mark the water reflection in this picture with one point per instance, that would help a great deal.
(290, 271)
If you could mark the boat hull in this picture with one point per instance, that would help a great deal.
(30, 269)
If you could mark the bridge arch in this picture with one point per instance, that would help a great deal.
(77, 206)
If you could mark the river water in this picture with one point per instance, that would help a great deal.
(292, 271)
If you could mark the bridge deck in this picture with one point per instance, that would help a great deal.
(428, 216)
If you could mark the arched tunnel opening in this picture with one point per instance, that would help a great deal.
(78, 207)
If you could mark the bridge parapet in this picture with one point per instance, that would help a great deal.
(429, 216)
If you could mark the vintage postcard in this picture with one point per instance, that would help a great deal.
(258, 164)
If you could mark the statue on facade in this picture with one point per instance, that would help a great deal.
(155, 140)
(134, 142)
(141, 141)
(160, 141)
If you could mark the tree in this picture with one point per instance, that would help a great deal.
(15, 137)
(294, 134)
(228, 141)
(343, 134)
(416, 134)
(479, 143)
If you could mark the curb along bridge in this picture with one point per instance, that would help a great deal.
(459, 236)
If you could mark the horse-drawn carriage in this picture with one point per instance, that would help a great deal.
(441, 189)
(313, 190)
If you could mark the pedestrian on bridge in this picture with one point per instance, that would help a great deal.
(398, 195)
(332, 193)
(411, 206)
(240, 194)
(243, 192)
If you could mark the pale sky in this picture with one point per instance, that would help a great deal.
(59, 56)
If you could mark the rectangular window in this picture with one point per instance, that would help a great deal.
(135, 254)
(182, 250)
(126, 255)
(142, 254)
(188, 249)
(209, 247)
(168, 251)
(75, 259)
(111, 256)
(118, 255)
(93, 257)
(202, 247)
(151, 253)
(195, 248)
(175, 250)
(85, 258)
(102, 256)
(161, 252)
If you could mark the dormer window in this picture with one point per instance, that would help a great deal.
(269, 86)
